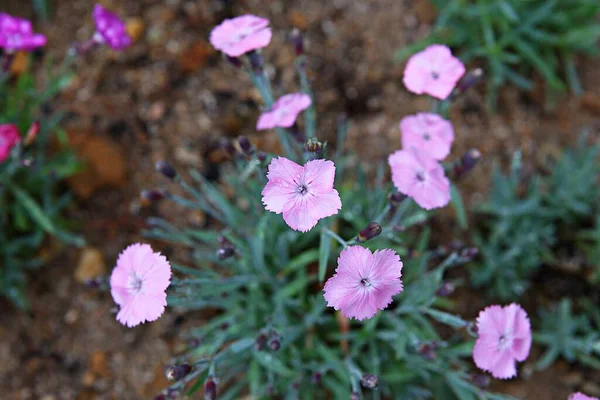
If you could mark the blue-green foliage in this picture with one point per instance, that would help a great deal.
(32, 200)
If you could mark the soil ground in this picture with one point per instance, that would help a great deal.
(172, 97)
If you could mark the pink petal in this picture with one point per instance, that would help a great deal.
(355, 260)
(284, 169)
(319, 174)
(504, 366)
(267, 120)
(299, 217)
(278, 196)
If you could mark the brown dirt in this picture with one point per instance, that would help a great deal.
(172, 97)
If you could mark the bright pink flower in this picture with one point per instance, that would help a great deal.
(9, 137)
(433, 71)
(303, 194)
(138, 284)
(504, 338)
(110, 29)
(364, 282)
(419, 176)
(16, 34)
(428, 132)
(581, 396)
(284, 111)
(240, 35)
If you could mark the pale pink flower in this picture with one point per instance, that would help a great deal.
(16, 34)
(428, 132)
(581, 396)
(304, 194)
(9, 137)
(110, 29)
(284, 111)
(364, 282)
(138, 284)
(241, 35)
(421, 177)
(433, 71)
(504, 338)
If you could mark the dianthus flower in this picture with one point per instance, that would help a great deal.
(284, 111)
(110, 29)
(9, 137)
(138, 284)
(428, 132)
(16, 34)
(241, 35)
(303, 194)
(421, 177)
(364, 282)
(433, 71)
(504, 338)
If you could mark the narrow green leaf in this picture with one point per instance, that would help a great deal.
(446, 318)
(272, 364)
(324, 250)
(33, 209)
(459, 207)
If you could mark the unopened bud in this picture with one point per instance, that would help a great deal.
(316, 378)
(298, 41)
(256, 61)
(261, 342)
(480, 380)
(369, 232)
(275, 344)
(261, 156)
(446, 289)
(152, 195)
(469, 253)
(234, 61)
(228, 147)
(397, 198)
(428, 351)
(313, 145)
(32, 133)
(467, 162)
(225, 252)
(354, 396)
(210, 389)
(471, 78)
(177, 372)
(245, 146)
(166, 169)
(369, 381)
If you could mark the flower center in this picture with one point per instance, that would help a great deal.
(302, 189)
(135, 283)
(435, 76)
(365, 282)
(426, 136)
(505, 341)
(420, 176)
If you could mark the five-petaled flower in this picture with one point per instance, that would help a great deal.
(241, 35)
(9, 137)
(428, 132)
(303, 194)
(138, 284)
(421, 177)
(16, 34)
(110, 29)
(504, 338)
(284, 111)
(364, 282)
(433, 71)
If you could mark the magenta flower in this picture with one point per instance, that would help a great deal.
(16, 34)
(581, 396)
(138, 284)
(110, 29)
(419, 176)
(303, 194)
(9, 137)
(433, 71)
(240, 35)
(364, 282)
(504, 338)
(284, 111)
(428, 132)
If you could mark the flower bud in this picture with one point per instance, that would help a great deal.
(480, 380)
(428, 351)
(177, 372)
(369, 232)
(244, 145)
(354, 396)
(153, 195)
(446, 289)
(369, 381)
(274, 343)
(313, 145)
(32, 133)
(316, 378)
(261, 342)
(261, 156)
(469, 253)
(210, 389)
(298, 41)
(225, 252)
(256, 61)
(466, 164)
(166, 169)
(471, 78)
(397, 198)
(227, 147)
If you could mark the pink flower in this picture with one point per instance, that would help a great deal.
(303, 194)
(240, 35)
(138, 284)
(9, 137)
(16, 34)
(364, 282)
(504, 338)
(419, 176)
(284, 111)
(110, 29)
(428, 132)
(581, 396)
(433, 71)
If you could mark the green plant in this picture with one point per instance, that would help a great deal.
(515, 37)
(32, 196)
